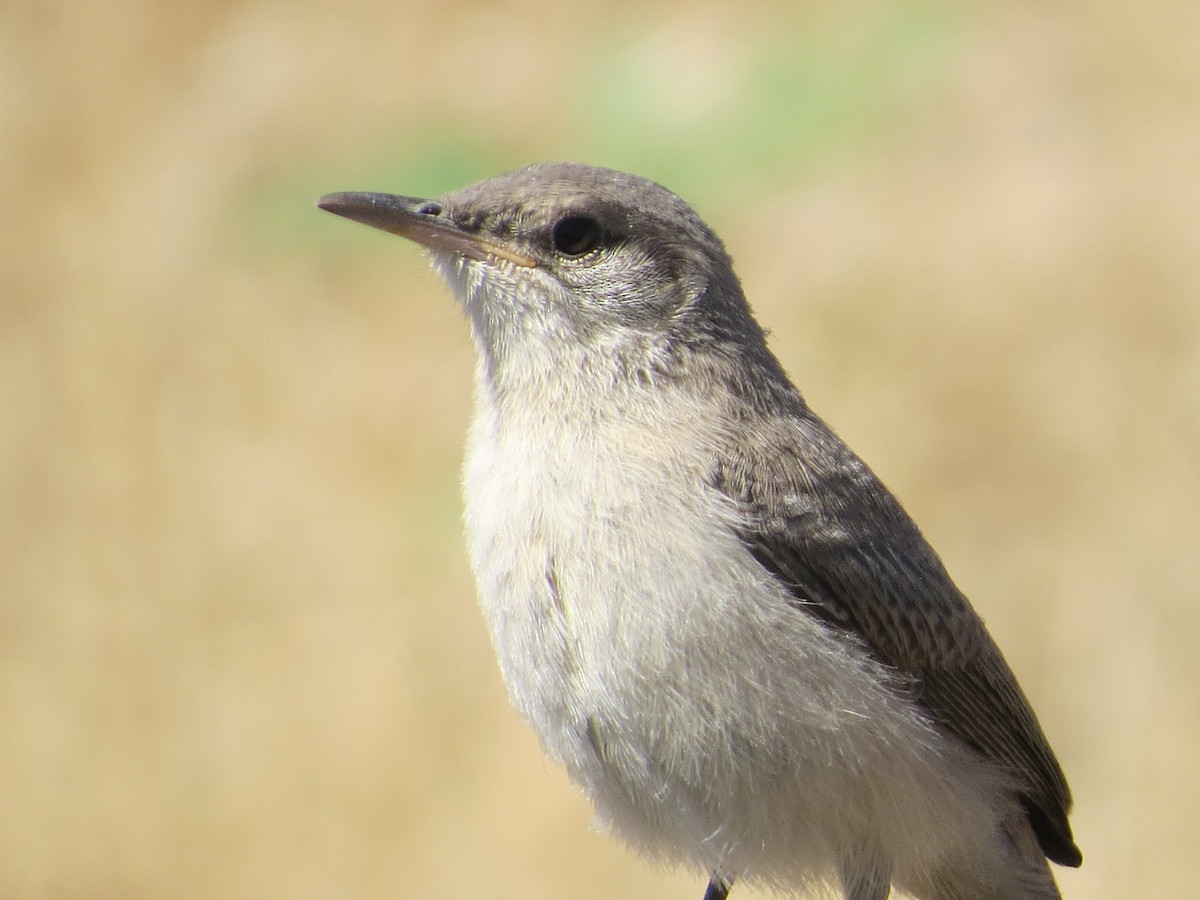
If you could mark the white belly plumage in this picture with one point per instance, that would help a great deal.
(705, 715)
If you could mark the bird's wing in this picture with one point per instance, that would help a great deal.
(818, 519)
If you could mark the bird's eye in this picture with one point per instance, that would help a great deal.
(576, 235)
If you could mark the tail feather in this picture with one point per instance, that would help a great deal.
(1020, 870)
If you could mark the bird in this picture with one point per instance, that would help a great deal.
(711, 611)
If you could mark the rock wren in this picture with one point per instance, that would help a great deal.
(713, 614)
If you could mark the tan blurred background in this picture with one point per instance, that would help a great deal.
(239, 650)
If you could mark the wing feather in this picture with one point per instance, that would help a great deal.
(818, 519)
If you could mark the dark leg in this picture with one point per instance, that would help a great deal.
(865, 879)
(718, 888)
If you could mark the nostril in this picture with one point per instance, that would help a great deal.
(430, 209)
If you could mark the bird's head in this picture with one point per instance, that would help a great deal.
(566, 257)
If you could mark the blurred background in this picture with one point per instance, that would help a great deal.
(239, 650)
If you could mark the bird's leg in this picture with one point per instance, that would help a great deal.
(718, 888)
(864, 878)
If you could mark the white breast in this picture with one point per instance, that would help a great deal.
(664, 668)
(576, 523)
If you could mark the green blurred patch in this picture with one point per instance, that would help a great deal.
(811, 92)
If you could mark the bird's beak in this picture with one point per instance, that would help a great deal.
(423, 221)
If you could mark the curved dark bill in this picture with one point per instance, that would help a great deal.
(419, 220)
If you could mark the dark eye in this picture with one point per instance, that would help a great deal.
(576, 235)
